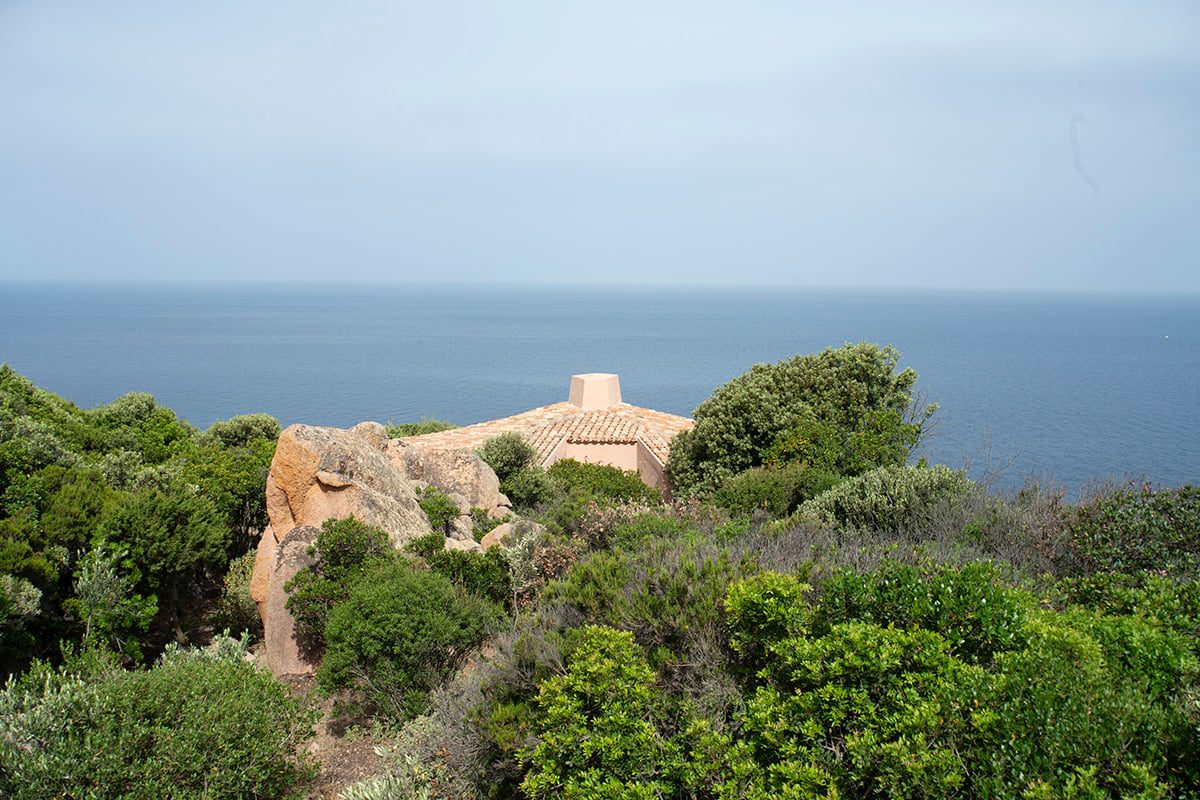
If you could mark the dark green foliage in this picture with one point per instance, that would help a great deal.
(173, 542)
(400, 632)
(515, 463)
(345, 549)
(1056, 707)
(483, 574)
(1172, 602)
(395, 431)
(170, 537)
(1140, 528)
(234, 479)
(439, 508)
(969, 606)
(846, 408)
(211, 726)
(778, 490)
(601, 481)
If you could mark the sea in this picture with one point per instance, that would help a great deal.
(1067, 389)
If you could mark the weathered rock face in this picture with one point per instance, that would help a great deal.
(455, 472)
(508, 532)
(328, 473)
(284, 655)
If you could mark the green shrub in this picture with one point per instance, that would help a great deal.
(440, 509)
(777, 490)
(345, 549)
(864, 711)
(1056, 707)
(236, 611)
(195, 725)
(515, 463)
(886, 499)
(507, 455)
(1135, 529)
(853, 390)
(598, 735)
(399, 632)
(601, 481)
(482, 574)
(968, 605)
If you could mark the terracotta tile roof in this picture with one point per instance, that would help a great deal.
(544, 428)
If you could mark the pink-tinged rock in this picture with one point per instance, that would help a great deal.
(508, 532)
(264, 565)
(372, 433)
(455, 472)
(284, 654)
(327, 473)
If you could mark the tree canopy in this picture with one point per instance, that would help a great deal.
(847, 409)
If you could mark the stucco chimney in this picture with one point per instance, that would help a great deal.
(595, 390)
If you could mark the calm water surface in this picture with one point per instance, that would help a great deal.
(1077, 386)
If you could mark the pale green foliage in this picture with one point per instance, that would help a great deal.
(403, 778)
(887, 498)
(18, 598)
(105, 600)
(237, 611)
(240, 431)
(853, 393)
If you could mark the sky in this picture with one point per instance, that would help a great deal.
(1023, 145)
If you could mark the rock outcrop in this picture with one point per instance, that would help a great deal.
(329, 473)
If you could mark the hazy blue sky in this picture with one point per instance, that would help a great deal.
(1040, 145)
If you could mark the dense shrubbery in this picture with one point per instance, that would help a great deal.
(887, 498)
(843, 410)
(835, 625)
(401, 631)
(198, 724)
(181, 503)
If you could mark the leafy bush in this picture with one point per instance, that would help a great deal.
(440, 509)
(345, 549)
(483, 574)
(968, 605)
(886, 499)
(1140, 528)
(603, 482)
(863, 711)
(515, 463)
(400, 631)
(777, 490)
(236, 611)
(598, 735)
(854, 390)
(240, 431)
(1056, 707)
(195, 725)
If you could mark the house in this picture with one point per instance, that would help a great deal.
(592, 425)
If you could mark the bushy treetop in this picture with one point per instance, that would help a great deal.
(853, 391)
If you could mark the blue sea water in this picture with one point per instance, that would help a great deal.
(1073, 387)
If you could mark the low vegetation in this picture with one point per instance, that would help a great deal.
(810, 617)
